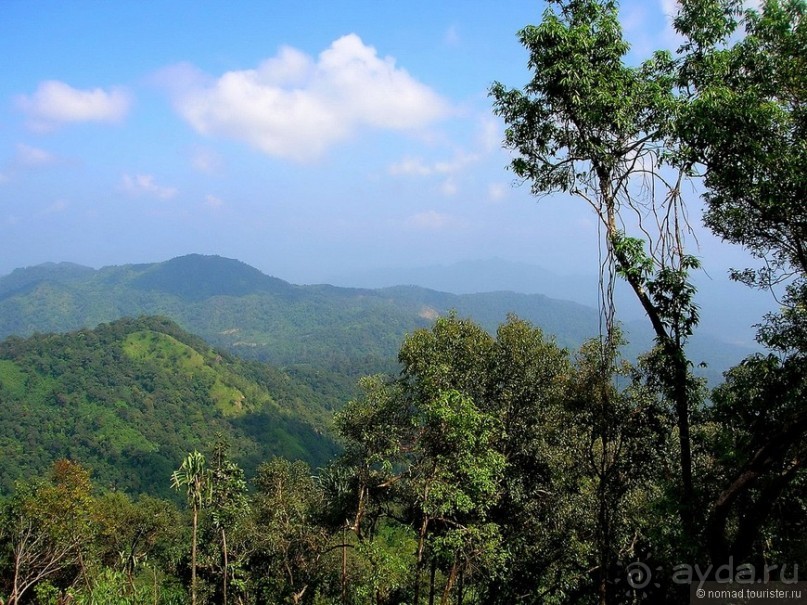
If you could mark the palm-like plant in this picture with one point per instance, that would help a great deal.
(193, 474)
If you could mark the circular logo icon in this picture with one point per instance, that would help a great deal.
(637, 577)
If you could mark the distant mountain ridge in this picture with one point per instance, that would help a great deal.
(728, 309)
(348, 331)
(195, 277)
(475, 276)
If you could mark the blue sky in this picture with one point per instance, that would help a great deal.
(306, 139)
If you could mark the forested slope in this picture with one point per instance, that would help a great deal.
(329, 335)
(130, 398)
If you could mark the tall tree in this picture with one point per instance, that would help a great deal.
(289, 554)
(592, 126)
(228, 502)
(745, 125)
(194, 475)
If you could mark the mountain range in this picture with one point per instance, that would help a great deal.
(334, 333)
(130, 367)
(728, 310)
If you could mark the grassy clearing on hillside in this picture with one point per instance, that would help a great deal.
(154, 346)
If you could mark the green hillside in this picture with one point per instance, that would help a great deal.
(130, 398)
(327, 336)
(235, 306)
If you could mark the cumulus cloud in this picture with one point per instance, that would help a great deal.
(451, 37)
(449, 187)
(449, 169)
(55, 208)
(144, 184)
(56, 103)
(206, 160)
(295, 107)
(410, 166)
(490, 134)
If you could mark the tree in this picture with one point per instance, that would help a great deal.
(589, 125)
(130, 534)
(194, 475)
(286, 507)
(745, 125)
(47, 525)
(228, 501)
(455, 474)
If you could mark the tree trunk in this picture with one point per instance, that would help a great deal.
(193, 554)
(452, 578)
(770, 453)
(226, 565)
(344, 565)
(419, 565)
(677, 388)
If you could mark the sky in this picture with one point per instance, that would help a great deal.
(305, 139)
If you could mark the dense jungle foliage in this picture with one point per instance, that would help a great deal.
(495, 469)
(129, 398)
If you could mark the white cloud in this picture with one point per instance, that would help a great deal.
(417, 167)
(28, 156)
(410, 166)
(431, 220)
(206, 160)
(449, 187)
(490, 134)
(497, 192)
(25, 158)
(294, 107)
(212, 201)
(452, 36)
(56, 103)
(144, 184)
(450, 169)
(55, 208)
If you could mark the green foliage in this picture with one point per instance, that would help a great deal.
(194, 476)
(590, 124)
(381, 568)
(494, 468)
(291, 542)
(585, 115)
(327, 336)
(45, 526)
(490, 448)
(744, 122)
(134, 395)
